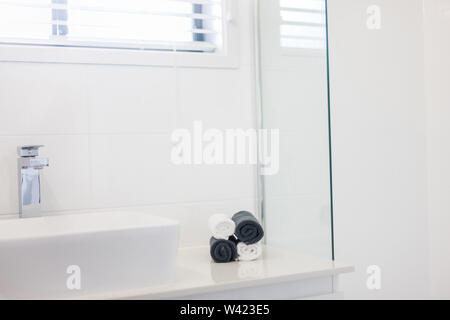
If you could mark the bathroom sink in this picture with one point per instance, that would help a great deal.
(71, 256)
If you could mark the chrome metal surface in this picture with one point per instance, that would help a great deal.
(29, 166)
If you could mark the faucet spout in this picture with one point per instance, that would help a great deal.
(29, 166)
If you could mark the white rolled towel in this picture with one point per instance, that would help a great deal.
(249, 252)
(221, 226)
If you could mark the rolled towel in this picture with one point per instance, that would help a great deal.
(248, 229)
(249, 252)
(221, 226)
(222, 250)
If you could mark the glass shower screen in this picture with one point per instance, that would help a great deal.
(293, 77)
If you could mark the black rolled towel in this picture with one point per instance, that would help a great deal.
(248, 229)
(222, 250)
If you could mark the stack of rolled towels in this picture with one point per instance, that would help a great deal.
(235, 238)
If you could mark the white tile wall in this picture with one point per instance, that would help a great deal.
(138, 171)
(42, 99)
(106, 130)
(303, 167)
(206, 98)
(295, 97)
(300, 223)
(131, 99)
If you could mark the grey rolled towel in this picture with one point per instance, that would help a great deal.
(222, 250)
(248, 228)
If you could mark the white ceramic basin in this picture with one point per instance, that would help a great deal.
(51, 257)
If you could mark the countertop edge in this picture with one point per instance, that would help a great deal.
(239, 284)
(165, 292)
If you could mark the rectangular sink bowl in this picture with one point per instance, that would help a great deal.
(74, 256)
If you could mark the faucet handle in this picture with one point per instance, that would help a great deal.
(28, 151)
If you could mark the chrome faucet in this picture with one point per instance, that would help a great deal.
(29, 166)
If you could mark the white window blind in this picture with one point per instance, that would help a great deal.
(303, 24)
(186, 25)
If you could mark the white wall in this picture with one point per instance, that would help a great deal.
(437, 53)
(106, 130)
(379, 161)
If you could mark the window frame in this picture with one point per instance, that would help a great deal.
(225, 57)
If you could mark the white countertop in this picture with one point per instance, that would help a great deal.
(197, 274)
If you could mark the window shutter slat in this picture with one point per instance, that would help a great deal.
(302, 24)
(192, 25)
